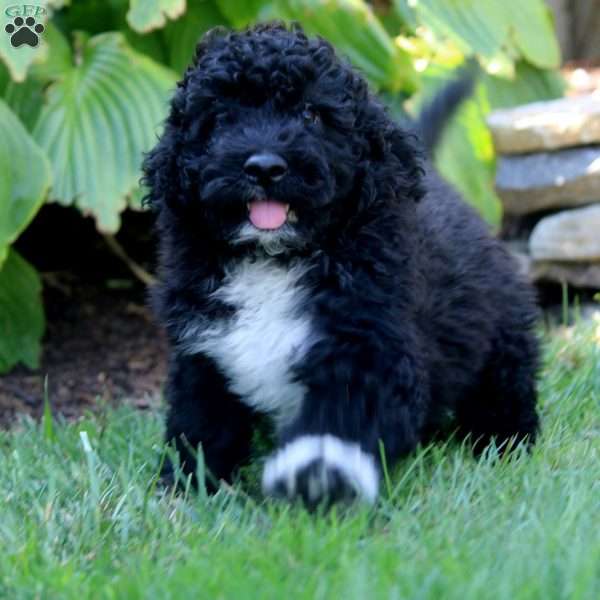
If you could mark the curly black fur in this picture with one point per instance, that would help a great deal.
(413, 312)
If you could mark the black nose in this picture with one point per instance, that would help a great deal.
(265, 167)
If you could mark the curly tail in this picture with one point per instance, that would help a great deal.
(437, 112)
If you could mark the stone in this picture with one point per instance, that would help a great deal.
(547, 125)
(570, 235)
(535, 182)
(575, 274)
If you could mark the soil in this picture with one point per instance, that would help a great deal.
(101, 345)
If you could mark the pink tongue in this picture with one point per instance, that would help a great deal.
(267, 214)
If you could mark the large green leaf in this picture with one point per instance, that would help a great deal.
(182, 35)
(24, 181)
(528, 85)
(100, 118)
(99, 16)
(150, 44)
(497, 30)
(240, 14)
(26, 98)
(59, 58)
(4, 78)
(18, 60)
(532, 29)
(21, 313)
(475, 25)
(146, 15)
(353, 28)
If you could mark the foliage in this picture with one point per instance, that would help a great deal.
(21, 315)
(87, 102)
(144, 16)
(498, 32)
(93, 130)
(24, 182)
(81, 516)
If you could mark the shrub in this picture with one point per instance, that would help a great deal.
(78, 110)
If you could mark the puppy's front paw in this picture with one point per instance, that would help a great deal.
(321, 469)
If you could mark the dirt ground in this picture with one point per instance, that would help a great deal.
(101, 343)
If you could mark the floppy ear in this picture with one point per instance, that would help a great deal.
(404, 147)
(396, 160)
(164, 171)
(160, 172)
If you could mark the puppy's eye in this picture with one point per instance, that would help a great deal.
(310, 115)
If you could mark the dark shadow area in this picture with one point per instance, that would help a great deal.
(101, 343)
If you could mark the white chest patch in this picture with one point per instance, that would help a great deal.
(257, 347)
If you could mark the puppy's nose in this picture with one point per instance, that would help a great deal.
(265, 167)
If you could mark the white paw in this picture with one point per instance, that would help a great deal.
(320, 468)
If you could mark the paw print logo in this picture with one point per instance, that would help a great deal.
(24, 32)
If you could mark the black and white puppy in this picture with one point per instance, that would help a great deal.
(316, 271)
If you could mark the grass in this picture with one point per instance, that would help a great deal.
(81, 515)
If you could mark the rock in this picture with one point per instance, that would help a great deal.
(534, 182)
(575, 274)
(547, 125)
(570, 235)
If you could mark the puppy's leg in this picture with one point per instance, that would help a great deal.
(503, 408)
(202, 411)
(331, 451)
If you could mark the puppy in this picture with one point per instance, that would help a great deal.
(316, 271)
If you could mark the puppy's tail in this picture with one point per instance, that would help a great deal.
(437, 112)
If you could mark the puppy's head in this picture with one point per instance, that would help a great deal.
(272, 140)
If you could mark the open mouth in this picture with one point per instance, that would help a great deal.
(268, 214)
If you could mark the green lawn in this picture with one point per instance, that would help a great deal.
(81, 520)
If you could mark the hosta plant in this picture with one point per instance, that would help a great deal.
(80, 107)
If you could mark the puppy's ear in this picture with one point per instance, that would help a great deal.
(394, 154)
(409, 158)
(168, 179)
(160, 173)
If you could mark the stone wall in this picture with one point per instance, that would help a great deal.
(548, 179)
